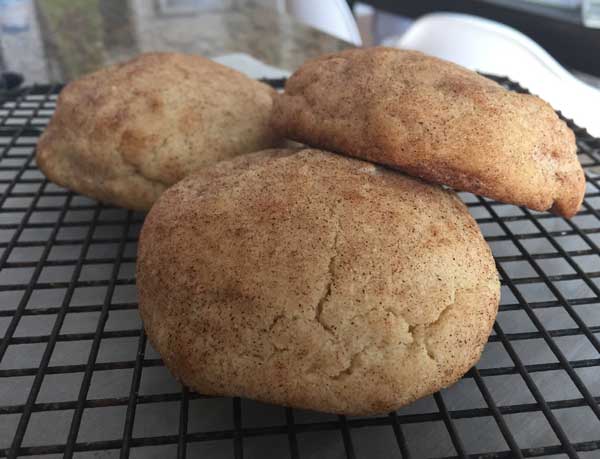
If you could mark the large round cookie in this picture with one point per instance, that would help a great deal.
(436, 120)
(125, 133)
(316, 281)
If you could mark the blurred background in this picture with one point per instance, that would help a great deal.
(52, 33)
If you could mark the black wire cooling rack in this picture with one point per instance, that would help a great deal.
(79, 379)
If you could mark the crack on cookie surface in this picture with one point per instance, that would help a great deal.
(331, 278)
(353, 364)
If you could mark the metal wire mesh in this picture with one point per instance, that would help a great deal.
(78, 378)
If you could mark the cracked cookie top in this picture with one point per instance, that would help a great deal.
(315, 280)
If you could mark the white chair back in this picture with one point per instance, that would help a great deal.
(330, 16)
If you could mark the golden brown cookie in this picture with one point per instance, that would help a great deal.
(125, 133)
(436, 120)
(315, 280)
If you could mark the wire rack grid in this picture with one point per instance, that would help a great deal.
(79, 379)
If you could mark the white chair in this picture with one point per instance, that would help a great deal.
(494, 48)
(330, 16)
